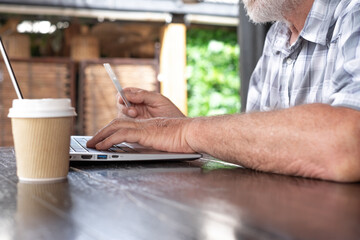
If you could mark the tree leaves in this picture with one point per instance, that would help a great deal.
(212, 72)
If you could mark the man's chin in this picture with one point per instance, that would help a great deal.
(261, 19)
(264, 11)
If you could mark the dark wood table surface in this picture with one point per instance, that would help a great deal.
(202, 199)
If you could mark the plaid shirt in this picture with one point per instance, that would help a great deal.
(322, 66)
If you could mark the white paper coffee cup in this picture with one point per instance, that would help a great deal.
(41, 131)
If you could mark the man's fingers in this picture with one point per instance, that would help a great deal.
(131, 112)
(109, 130)
(121, 135)
(140, 96)
(136, 97)
(132, 89)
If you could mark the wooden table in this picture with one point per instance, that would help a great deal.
(202, 199)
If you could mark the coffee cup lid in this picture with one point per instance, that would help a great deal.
(41, 108)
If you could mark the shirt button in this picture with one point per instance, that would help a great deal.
(289, 61)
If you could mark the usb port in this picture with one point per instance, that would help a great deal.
(115, 156)
(101, 157)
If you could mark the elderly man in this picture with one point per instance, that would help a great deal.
(303, 111)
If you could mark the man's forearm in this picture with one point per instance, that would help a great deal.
(314, 140)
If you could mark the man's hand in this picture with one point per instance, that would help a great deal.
(146, 105)
(167, 134)
(313, 140)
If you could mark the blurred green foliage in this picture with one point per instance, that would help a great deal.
(212, 72)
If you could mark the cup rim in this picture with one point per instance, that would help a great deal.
(41, 108)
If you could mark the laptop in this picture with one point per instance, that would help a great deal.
(120, 152)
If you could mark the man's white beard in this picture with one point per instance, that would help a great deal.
(261, 11)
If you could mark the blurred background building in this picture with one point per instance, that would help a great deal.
(186, 49)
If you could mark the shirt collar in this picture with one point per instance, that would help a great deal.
(318, 22)
(320, 19)
(280, 39)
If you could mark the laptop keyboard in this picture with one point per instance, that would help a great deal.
(79, 145)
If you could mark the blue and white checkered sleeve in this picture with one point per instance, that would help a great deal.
(257, 78)
(255, 86)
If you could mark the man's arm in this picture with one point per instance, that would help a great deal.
(316, 140)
